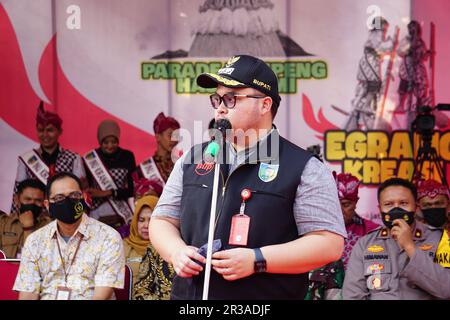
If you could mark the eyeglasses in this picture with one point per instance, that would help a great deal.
(76, 195)
(229, 99)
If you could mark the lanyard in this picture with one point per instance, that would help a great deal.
(66, 273)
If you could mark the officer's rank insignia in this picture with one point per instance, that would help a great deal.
(418, 233)
(425, 247)
(375, 248)
(374, 282)
(268, 172)
(375, 268)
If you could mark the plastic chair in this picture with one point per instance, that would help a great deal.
(8, 272)
(125, 293)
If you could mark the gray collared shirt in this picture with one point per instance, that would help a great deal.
(316, 206)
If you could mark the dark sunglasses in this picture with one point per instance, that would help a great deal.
(229, 99)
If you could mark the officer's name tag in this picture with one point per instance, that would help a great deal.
(63, 293)
(240, 224)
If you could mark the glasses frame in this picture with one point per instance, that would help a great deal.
(222, 100)
(70, 195)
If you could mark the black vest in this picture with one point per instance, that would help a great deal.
(270, 209)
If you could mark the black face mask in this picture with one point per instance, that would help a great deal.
(397, 213)
(435, 217)
(69, 210)
(35, 209)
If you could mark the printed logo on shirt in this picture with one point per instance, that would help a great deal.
(375, 249)
(204, 168)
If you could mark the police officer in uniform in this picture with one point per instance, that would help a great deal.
(396, 261)
(278, 214)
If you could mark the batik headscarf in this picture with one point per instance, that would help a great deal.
(430, 188)
(347, 186)
(143, 185)
(162, 123)
(45, 118)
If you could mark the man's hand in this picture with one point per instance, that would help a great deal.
(235, 263)
(184, 264)
(28, 296)
(26, 219)
(402, 233)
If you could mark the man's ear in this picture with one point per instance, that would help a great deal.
(267, 105)
(417, 207)
(46, 204)
(16, 200)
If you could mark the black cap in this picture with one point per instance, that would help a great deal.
(244, 71)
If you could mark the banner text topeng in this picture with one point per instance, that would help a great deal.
(185, 73)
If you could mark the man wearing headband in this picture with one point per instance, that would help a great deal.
(278, 214)
(50, 158)
(152, 174)
(348, 186)
(396, 262)
(434, 205)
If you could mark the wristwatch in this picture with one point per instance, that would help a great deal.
(260, 262)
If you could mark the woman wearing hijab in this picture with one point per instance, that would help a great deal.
(110, 168)
(153, 279)
(135, 245)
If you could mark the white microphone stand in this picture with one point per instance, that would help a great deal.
(212, 219)
(220, 154)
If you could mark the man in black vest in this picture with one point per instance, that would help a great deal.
(278, 214)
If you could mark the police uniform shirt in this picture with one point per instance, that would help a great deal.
(379, 270)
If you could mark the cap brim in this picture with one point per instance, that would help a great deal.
(211, 80)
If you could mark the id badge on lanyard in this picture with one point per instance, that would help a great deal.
(240, 223)
(63, 293)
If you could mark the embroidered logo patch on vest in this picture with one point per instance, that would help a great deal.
(204, 168)
(268, 172)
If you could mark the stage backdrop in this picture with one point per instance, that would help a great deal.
(129, 60)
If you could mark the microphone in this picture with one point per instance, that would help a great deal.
(213, 148)
(222, 125)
